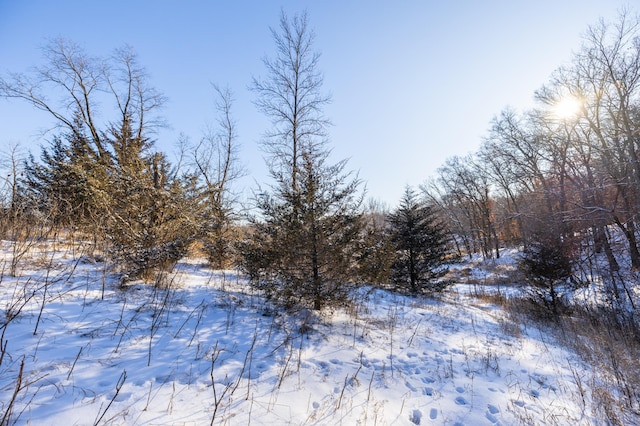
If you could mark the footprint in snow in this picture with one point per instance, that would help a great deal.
(428, 391)
(493, 419)
(433, 414)
(460, 389)
(364, 361)
(416, 416)
(461, 401)
(492, 410)
(411, 387)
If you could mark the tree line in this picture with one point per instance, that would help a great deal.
(563, 185)
(562, 180)
(307, 241)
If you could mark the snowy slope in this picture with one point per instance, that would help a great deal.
(136, 356)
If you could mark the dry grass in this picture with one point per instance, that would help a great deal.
(487, 272)
(606, 340)
(602, 339)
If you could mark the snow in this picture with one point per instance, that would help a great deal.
(143, 356)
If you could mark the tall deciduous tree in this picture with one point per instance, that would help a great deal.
(301, 250)
(291, 97)
(605, 76)
(469, 203)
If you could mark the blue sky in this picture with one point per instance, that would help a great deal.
(412, 82)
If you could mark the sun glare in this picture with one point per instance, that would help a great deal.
(567, 107)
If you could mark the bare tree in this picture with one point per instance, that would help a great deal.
(216, 163)
(605, 75)
(291, 96)
(10, 169)
(466, 192)
(16, 225)
(78, 83)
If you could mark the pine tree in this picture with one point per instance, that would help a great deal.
(107, 179)
(421, 245)
(127, 198)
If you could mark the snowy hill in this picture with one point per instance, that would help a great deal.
(78, 349)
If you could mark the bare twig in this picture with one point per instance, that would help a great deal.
(7, 414)
(119, 384)
(74, 362)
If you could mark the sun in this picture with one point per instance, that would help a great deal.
(567, 107)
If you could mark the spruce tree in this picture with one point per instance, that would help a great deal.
(59, 185)
(421, 246)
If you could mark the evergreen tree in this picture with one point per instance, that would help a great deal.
(421, 245)
(127, 198)
(105, 177)
(61, 185)
(301, 250)
(547, 263)
(149, 218)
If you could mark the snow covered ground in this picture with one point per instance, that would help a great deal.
(78, 349)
